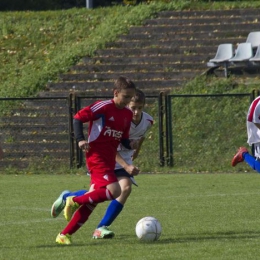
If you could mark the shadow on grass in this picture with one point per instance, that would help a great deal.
(66, 246)
(229, 235)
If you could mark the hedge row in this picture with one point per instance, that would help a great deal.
(37, 5)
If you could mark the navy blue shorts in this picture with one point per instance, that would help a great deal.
(123, 173)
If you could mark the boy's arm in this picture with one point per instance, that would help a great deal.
(79, 135)
(131, 145)
(136, 152)
(131, 169)
(141, 140)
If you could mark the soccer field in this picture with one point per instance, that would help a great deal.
(203, 216)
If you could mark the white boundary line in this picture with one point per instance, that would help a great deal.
(215, 195)
(8, 223)
(50, 219)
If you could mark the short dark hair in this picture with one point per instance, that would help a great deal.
(139, 96)
(123, 83)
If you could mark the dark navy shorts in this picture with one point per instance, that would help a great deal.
(124, 173)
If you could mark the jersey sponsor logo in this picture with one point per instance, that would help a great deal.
(111, 118)
(113, 133)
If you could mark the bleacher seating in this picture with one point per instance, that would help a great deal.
(162, 54)
(246, 55)
(224, 53)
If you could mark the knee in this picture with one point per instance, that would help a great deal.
(116, 194)
(126, 190)
(115, 191)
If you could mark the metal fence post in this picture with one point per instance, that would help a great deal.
(89, 4)
(167, 130)
(253, 95)
(161, 128)
(71, 132)
(170, 139)
(169, 123)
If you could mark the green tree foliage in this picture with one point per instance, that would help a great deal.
(40, 5)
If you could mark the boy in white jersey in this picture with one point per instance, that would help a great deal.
(124, 169)
(253, 134)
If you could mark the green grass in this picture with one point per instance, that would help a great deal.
(34, 55)
(37, 46)
(208, 130)
(203, 216)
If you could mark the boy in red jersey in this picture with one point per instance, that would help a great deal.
(124, 169)
(109, 125)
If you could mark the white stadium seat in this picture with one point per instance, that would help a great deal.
(244, 52)
(224, 53)
(254, 39)
(256, 58)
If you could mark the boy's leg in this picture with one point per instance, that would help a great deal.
(253, 161)
(243, 155)
(60, 202)
(75, 193)
(238, 157)
(79, 218)
(113, 210)
(91, 197)
(89, 201)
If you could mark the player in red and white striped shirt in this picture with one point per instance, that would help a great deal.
(253, 134)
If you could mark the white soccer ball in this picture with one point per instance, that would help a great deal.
(148, 229)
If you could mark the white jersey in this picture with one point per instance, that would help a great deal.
(253, 116)
(136, 132)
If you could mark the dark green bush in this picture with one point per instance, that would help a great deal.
(11, 5)
(39, 5)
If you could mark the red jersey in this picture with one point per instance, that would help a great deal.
(108, 125)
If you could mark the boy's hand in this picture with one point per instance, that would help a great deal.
(132, 170)
(134, 144)
(84, 146)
